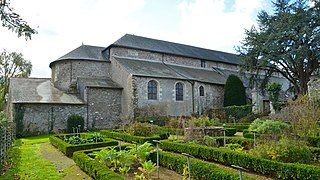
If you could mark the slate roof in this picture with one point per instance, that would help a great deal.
(99, 82)
(39, 90)
(83, 52)
(160, 70)
(143, 43)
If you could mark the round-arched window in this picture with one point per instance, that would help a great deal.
(152, 90)
(201, 91)
(179, 92)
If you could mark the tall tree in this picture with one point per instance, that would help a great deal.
(12, 64)
(286, 41)
(13, 21)
(234, 92)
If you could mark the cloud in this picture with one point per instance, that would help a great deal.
(215, 25)
(64, 25)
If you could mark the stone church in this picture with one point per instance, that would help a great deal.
(130, 77)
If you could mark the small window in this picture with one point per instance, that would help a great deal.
(203, 63)
(201, 91)
(152, 90)
(179, 92)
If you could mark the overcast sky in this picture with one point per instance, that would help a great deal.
(63, 25)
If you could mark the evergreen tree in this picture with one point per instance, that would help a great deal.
(234, 92)
(287, 41)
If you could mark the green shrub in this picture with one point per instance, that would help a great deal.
(234, 147)
(94, 168)
(237, 112)
(260, 165)
(230, 131)
(285, 150)
(69, 149)
(269, 127)
(314, 141)
(234, 92)
(75, 121)
(143, 129)
(249, 134)
(218, 141)
(199, 169)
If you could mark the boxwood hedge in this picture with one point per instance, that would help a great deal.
(129, 138)
(94, 168)
(238, 126)
(68, 149)
(199, 169)
(228, 157)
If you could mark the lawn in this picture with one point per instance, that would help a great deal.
(27, 162)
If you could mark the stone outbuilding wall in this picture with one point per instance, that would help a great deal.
(65, 72)
(44, 118)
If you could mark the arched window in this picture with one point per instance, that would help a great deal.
(179, 92)
(152, 89)
(201, 91)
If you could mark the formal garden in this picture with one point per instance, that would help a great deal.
(224, 143)
(227, 143)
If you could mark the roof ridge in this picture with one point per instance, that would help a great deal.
(178, 43)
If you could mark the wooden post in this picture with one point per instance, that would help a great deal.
(157, 144)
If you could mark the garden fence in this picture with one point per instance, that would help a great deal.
(6, 139)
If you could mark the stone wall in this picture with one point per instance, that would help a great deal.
(174, 59)
(46, 118)
(65, 72)
(104, 107)
(122, 77)
(213, 96)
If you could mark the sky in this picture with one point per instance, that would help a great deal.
(63, 25)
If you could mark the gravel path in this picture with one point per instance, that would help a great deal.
(63, 163)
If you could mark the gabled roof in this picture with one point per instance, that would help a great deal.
(154, 45)
(160, 70)
(39, 90)
(99, 83)
(83, 52)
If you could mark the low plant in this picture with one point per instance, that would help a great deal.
(285, 150)
(234, 147)
(147, 167)
(269, 127)
(143, 129)
(125, 161)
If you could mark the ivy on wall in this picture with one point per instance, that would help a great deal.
(18, 114)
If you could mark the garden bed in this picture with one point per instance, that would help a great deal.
(228, 157)
(88, 162)
(59, 141)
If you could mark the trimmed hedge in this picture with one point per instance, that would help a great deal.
(237, 112)
(249, 134)
(94, 168)
(228, 157)
(199, 169)
(129, 138)
(230, 131)
(244, 142)
(238, 126)
(68, 149)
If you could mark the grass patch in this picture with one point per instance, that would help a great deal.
(27, 163)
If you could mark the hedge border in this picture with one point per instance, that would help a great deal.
(129, 138)
(199, 169)
(94, 168)
(240, 127)
(228, 157)
(244, 142)
(69, 149)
